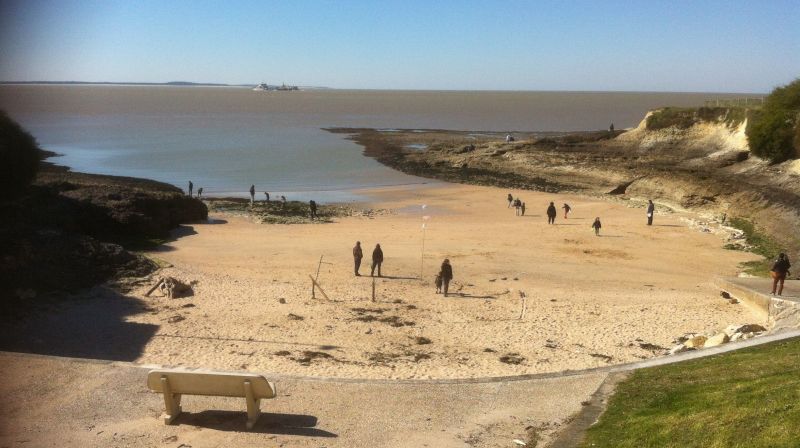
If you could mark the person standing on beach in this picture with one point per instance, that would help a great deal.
(438, 282)
(447, 275)
(199, 192)
(252, 194)
(191, 186)
(517, 206)
(551, 214)
(266, 195)
(283, 201)
(313, 206)
(377, 260)
(611, 128)
(510, 200)
(651, 208)
(522, 208)
(596, 226)
(779, 271)
(357, 256)
(567, 209)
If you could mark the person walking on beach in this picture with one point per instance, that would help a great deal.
(199, 192)
(651, 208)
(596, 226)
(438, 282)
(191, 186)
(357, 256)
(517, 206)
(510, 200)
(779, 271)
(551, 214)
(266, 195)
(313, 206)
(377, 260)
(252, 194)
(447, 274)
(567, 209)
(522, 208)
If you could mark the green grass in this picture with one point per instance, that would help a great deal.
(686, 117)
(761, 244)
(748, 398)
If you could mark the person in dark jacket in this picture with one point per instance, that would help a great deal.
(651, 208)
(191, 186)
(252, 194)
(596, 225)
(779, 271)
(199, 192)
(357, 256)
(551, 214)
(313, 206)
(522, 208)
(510, 200)
(447, 275)
(377, 260)
(266, 195)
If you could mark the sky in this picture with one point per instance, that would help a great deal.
(678, 45)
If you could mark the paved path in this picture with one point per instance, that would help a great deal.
(52, 401)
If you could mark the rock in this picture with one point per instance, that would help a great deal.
(695, 342)
(748, 335)
(751, 328)
(733, 301)
(282, 301)
(176, 318)
(725, 295)
(736, 336)
(716, 340)
(680, 348)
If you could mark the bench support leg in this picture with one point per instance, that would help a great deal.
(253, 405)
(172, 402)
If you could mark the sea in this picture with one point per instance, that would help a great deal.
(224, 139)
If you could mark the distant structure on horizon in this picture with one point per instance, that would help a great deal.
(264, 87)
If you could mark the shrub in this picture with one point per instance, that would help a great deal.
(686, 117)
(19, 157)
(774, 132)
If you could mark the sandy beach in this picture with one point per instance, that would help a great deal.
(591, 301)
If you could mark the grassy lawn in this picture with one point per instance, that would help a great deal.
(748, 398)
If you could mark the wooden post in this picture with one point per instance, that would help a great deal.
(524, 307)
(373, 289)
(315, 284)
(253, 405)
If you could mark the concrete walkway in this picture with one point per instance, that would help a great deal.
(52, 401)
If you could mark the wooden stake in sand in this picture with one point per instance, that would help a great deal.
(315, 285)
(524, 298)
(373, 289)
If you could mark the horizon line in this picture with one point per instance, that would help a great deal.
(217, 84)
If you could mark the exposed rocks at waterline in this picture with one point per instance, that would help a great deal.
(732, 333)
(73, 230)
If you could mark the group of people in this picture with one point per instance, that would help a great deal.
(199, 190)
(377, 259)
(442, 280)
(519, 206)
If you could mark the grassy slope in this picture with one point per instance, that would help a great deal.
(749, 398)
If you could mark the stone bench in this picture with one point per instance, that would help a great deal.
(174, 383)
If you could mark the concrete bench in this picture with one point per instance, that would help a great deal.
(174, 383)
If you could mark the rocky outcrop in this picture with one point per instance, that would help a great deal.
(72, 230)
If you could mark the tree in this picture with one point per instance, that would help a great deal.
(774, 131)
(19, 157)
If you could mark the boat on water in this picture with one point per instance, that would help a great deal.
(264, 87)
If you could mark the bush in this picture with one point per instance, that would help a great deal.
(19, 157)
(686, 117)
(774, 132)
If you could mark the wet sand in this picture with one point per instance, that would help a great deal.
(591, 301)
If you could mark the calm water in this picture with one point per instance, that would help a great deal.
(224, 139)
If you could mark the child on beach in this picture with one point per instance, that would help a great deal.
(596, 226)
(566, 208)
(438, 282)
(522, 207)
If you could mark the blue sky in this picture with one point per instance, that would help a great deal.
(709, 46)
